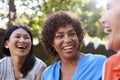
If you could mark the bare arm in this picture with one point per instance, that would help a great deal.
(40, 73)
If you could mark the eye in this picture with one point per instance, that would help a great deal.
(58, 36)
(17, 36)
(72, 34)
(108, 6)
(27, 37)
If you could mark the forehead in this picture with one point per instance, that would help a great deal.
(110, 2)
(20, 31)
(66, 28)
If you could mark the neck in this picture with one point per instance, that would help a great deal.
(72, 61)
(17, 61)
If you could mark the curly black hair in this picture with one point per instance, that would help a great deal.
(53, 23)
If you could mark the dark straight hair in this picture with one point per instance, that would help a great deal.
(30, 59)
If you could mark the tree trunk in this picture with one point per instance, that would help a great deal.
(12, 12)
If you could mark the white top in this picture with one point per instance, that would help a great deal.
(6, 69)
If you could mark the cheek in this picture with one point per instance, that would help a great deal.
(76, 39)
(29, 43)
(116, 26)
(56, 44)
(11, 43)
(78, 43)
(115, 17)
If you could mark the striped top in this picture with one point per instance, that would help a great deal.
(6, 69)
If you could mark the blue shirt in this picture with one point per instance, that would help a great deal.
(89, 68)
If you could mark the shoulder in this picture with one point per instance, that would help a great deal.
(52, 68)
(51, 72)
(38, 66)
(4, 59)
(5, 65)
(39, 62)
(94, 59)
(113, 59)
(92, 62)
(91, 56)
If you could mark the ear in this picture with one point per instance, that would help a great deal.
(6, 44)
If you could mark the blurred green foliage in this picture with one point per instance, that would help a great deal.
(86, 10)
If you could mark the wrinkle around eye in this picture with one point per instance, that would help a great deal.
(27, 37)
(58, 36)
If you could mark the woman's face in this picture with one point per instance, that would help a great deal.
(111, 23)
(19, 43)
(66, 42)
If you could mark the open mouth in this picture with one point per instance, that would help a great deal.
(107, 30)
(21, 46)
(68, 47)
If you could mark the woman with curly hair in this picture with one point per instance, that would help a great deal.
(62, 36)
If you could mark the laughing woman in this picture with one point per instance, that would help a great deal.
(62, 36)
(19, 62)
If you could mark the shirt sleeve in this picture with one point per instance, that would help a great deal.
(107, 70)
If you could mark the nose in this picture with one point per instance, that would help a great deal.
(22, 39)
(102, 20)
(67, 39)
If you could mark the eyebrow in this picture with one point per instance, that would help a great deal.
(22, 34)
(72, 30)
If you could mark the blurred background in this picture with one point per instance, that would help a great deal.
(33, 12)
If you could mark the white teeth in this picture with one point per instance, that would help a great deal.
(20, 46)
(68, 47)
